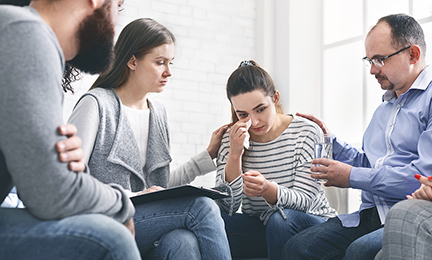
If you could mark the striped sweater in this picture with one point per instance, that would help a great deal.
(285, 161)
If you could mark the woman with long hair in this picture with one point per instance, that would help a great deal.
(126, 141)
(266, 157)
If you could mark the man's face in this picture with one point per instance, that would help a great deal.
(96, 39)
(392, 76)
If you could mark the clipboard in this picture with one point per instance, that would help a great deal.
(176, 192)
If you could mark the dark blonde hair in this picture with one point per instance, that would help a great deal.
(137, 39)
(248, 77)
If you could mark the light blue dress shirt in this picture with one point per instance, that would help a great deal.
(397, 144)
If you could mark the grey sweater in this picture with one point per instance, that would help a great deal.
(116, 158)
(31, 100)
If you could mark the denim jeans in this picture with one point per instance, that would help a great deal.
(365, 247)
(90, 236)
(330, 240)
(176, 244)
(248, 237)
(182, 228)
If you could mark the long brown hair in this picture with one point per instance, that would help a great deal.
(248, 77)
(137, 39)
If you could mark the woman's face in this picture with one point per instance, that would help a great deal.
(260, 108)
(153, 70)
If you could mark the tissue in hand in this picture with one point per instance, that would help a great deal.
(246, 140)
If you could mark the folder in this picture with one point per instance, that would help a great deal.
(178, 191)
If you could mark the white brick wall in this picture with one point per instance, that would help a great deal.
(213, 36)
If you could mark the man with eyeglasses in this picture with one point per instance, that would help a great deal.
(396, 146)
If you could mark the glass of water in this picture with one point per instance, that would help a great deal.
(324, 148)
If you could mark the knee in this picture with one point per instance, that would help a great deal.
(208, 206)
(176, 244)
(179, 240)
(117, 240)
(365, 247)
(294, 246)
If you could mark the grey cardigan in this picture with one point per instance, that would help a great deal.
(116, 158)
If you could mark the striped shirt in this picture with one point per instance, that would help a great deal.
(285, 161)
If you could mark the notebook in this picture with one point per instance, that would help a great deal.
(178, 191)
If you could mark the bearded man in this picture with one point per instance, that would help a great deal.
(67, 212)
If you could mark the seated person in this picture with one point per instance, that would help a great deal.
(271, 177)
(407, 232)
(126, 141)
(61, 204)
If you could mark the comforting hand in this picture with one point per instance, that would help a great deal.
(238, 133)
(151, 189)
(425, 190)
(336, 173)
(70, 149)
(318, 121)
(215, 140)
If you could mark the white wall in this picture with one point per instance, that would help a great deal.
(212, 38)
(289, 38)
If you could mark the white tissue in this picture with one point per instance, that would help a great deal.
(246, 140)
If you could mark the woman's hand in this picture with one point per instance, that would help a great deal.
(425, 190)
(151, 189)
(238, 133)
(215, 140)
(318, 121)
(70, 149)
(255, 184)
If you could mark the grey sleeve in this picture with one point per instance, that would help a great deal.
(30, 111)
(199, 164)
(85, 117)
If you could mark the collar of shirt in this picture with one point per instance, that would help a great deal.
(424, 76)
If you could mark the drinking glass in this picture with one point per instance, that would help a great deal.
(324, 148)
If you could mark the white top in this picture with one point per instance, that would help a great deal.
(86, 118)
(139, 122)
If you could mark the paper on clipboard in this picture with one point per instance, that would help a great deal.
(176, 192)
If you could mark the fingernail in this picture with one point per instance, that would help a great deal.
(61, 146)
(417, 176)
(430, 178)
(64, 156)
(63, 128)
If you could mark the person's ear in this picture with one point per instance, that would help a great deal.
(96, 3)
(276, 98)
(415, 54)
(132, 63)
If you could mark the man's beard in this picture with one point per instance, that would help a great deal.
(96, 41)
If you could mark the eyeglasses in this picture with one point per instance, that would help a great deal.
(380, 62)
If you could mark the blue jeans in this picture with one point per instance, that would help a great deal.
(90, 236)
(330, 240)
(365, 247)
(248, 237)
(182, 228)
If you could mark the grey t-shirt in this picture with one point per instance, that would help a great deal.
(31, 100)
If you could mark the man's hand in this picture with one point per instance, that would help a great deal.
(70, 149)
(336, 173)
(425, 190)
(131, 226)
(318, 121)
